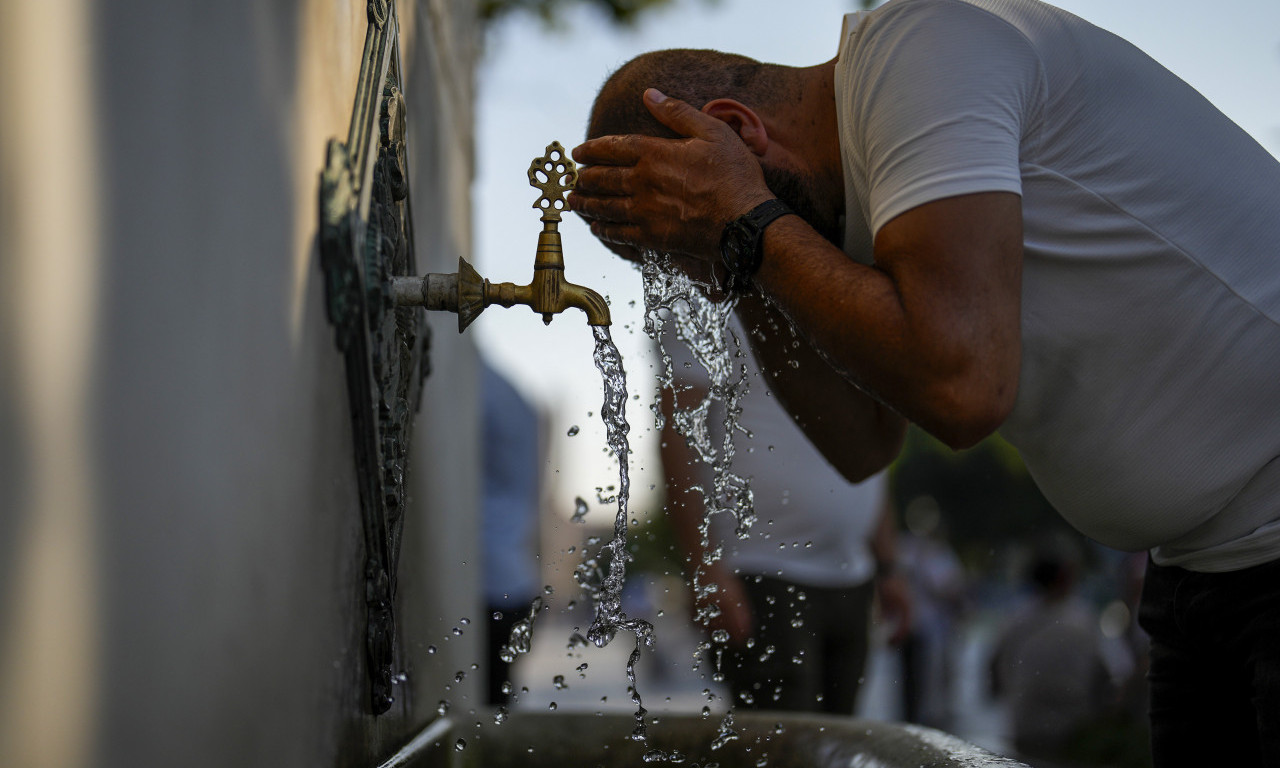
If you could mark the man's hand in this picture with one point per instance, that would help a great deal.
(669, 195)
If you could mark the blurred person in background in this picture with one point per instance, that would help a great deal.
(510, 496)
(1048, 664)
(938, 585)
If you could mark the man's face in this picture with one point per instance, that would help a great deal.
(800, 191)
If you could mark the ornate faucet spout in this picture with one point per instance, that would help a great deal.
(548, 293)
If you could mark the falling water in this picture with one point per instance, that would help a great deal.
(520, 641)
(703, 326)
(609, 616)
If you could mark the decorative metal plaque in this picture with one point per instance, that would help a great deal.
(366, 238)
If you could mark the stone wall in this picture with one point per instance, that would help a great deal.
(180, 544)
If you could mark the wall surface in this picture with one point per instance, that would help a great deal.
(181, 556)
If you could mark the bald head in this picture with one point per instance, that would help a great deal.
(691, 75)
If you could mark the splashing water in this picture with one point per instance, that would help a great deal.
(520, 641)
(606, 588)
(609, 615)
(702, 325)
(580, 510)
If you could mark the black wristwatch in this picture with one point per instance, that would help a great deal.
(742, 242)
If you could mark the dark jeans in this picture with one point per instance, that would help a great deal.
(1215, 666)
(830, 642)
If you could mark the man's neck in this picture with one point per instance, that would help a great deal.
(814, 122)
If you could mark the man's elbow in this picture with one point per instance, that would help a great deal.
(963, 418)
(874, 455)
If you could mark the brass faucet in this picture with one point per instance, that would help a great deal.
(467, 294)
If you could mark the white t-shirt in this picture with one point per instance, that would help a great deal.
(1148, 408)
(812, 526)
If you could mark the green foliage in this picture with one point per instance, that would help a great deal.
(621, 12)
(985, 496)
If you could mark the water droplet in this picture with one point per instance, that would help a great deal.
(573, 430)
(552, 706)
(464, 621)
(500, 716)
(658, 756)
(460, 745)
(507, 687)
(442, 708)
(431, 649)
(459, 677)
(558, 683)
(720, 636)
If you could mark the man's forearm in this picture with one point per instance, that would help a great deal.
(932, 328)
(856, 434)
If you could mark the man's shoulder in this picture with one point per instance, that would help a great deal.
(941, 29)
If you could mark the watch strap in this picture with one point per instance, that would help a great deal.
(742, 242)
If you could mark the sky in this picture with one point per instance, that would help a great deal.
(536, 86)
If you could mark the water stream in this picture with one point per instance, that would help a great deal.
(703, 326)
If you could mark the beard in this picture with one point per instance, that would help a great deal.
(800, 192)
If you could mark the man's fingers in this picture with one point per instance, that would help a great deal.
(615, 234)
(682, 118)
(600, 207)
(612, 150)
(604, 180)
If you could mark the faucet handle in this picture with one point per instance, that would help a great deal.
(555, 174)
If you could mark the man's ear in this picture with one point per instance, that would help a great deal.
(743, 120)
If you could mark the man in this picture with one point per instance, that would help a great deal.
(801, 585)
(1039, 230)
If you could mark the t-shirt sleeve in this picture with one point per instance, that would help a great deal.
(940, 96)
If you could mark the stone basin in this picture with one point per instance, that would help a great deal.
(775, 740)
